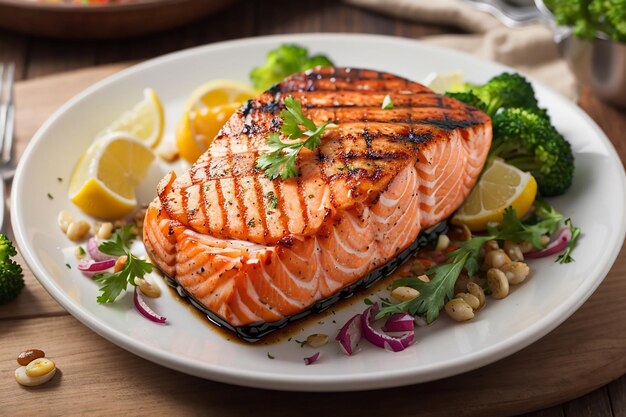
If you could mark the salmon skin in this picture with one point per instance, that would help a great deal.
(256, 252)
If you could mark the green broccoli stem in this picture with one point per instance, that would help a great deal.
(525, 163)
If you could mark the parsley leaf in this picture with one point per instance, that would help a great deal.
(113, 283)
(280, 161)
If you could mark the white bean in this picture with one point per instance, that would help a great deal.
(498, 283)
(496, 258)
(443, 241)
(513, 250)
(459, 310)
(404, 293)
(317, 340)
(516, 272)
(477, 291)
(64, 219)
(470, 299)
(77, 230)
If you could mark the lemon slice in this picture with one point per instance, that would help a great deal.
(500, 186)
(103, 182)
(208, 107)
(447, 81)
(144, 121)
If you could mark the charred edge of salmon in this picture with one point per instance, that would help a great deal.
(256, 331)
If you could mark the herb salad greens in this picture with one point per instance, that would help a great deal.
(113, 283)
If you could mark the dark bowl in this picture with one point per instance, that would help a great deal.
(103, 21)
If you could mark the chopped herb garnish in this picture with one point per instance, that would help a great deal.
(272, 200)
(270, 356)
(68, 266)
(251, 222)
(81, 250)
(350, 167)
(300, 342)
(368, 302)
(434, 294)
(59, 179)
(565, 257)
(50, 196)
(112, 284)
(280, 161)
(387, 103)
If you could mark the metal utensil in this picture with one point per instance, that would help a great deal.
(599, 63)
(7, 124)
(512, 13)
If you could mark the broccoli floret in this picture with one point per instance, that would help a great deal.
(285, 60)
(588, 17)
(468, 98)
(503, 91)
(11, 275)
(530, 142)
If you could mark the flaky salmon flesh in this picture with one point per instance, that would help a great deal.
(253, 250)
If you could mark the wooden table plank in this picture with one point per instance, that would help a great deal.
(43, 57)
(617, 395)
(595, 404)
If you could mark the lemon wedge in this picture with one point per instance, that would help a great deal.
(104, 180)
(144, 121)
(500, 186)
(447, 81)
(207, 108)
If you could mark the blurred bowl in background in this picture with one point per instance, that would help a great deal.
(102, 21)
(599, 64)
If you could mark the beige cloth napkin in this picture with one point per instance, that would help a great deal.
(530, 49)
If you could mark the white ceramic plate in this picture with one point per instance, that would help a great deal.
(596, 202)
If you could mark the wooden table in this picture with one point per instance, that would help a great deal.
(112, 379)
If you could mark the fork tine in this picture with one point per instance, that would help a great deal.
(7, 142)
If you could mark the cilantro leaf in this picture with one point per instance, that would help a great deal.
(280, 161)
(113, 283)
(566, 257)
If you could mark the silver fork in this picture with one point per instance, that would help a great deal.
(7, 124)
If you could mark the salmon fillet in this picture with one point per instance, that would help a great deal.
(254, 251)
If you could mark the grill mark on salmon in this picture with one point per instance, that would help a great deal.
(361, 198)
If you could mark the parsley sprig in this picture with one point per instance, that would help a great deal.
(112, 284)
(434, 294)
(281, 159)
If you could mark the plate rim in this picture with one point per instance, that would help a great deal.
(262, 379)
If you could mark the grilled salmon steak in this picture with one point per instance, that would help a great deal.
(254, 251)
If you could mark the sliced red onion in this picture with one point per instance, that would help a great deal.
(91, 266)
(440, 257)
(350, 335)
(399, 322)
(94, 252)
(557, 245)
(146, 311)
(311, 359)
(383, 340)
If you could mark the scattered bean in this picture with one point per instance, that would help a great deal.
(491, 245)
(104, 231)
(39, 367)
(478, 292)
(317, 340)
(147, 288)
(120, 263)
(443, 241)
(23, 379)
(496, 258)
(29, 355)
(513, 250)
(77, 230)
(64, 219)
(498, 283)
(459, 310)
(470, 299)
(404, 293)
(516, 272)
